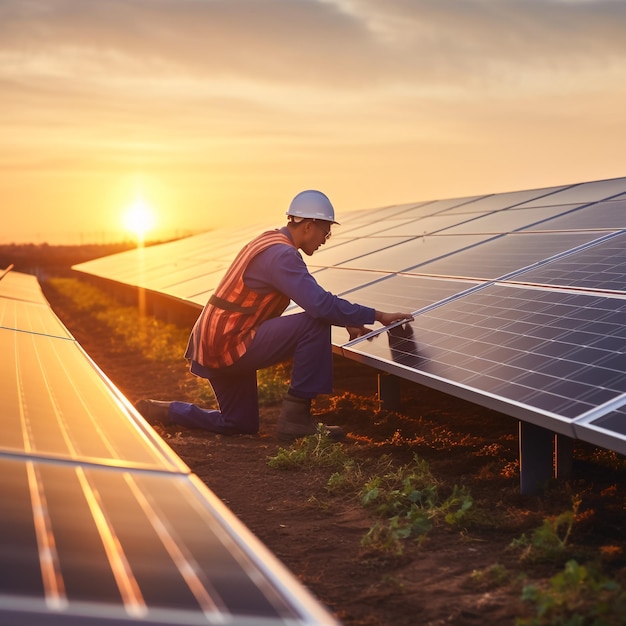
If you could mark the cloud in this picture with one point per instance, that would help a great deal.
(260, 91)
(341, 45)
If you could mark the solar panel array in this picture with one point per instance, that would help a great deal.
(519, 298)
(100, 522)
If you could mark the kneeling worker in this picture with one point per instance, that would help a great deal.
(240, 330)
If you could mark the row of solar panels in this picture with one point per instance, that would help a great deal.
(100, 522)
(519, 298)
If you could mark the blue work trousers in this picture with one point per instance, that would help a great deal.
(297, 336)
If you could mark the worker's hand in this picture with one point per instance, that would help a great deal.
(389, 318)
(357, 331)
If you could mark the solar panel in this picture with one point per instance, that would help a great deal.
(518, 299)
(100, 522)
(601, 266)
(505, 254)
(536, 349)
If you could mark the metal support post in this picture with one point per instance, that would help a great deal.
(388, 391)
(536, 457)
(564, 456)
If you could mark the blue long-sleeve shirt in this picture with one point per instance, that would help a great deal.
(282, 268)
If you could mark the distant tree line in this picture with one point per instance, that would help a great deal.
(43, 259)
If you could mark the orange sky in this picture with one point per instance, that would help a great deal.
(220, 111)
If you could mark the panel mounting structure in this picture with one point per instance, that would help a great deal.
(518, 298)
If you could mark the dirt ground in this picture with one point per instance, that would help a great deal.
(318, 536)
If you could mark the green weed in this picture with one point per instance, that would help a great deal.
(408, 501)
(317, 450)
(577, 596)
(549, 542)
(349, 478)
(491, 577)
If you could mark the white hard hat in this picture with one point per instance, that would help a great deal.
(312, 204)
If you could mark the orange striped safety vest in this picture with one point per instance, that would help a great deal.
(228, 322)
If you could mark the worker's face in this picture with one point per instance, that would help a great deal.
(317, 232)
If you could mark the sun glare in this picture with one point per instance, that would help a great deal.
(139, 219)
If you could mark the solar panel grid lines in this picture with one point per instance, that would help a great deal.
(100, 522)
(509, 200)
(51, 376)
(600, 265)
(502, 255)
(493, 340)
(550, 348)
(584, 192)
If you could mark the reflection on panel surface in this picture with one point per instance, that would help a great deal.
(560, 353)
(100, 522)
(524, 309)
(601, 266)
(583, 193)
(403, 256)
(407, 293)
(506, 254)
(605, 215)
(140, 544)
(51, 377)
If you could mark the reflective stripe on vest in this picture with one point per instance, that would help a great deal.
(228, 322)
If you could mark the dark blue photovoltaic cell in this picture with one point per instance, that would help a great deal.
(547, 342)
(613, 421)
(601, 266)
(100, 521)
(595, 191)
(409, 254)
(407, 293)
(505, 221)
(495, 202)
(604, 215)
(340, 281)
(499, 339)
(502, 255)
(400, 293)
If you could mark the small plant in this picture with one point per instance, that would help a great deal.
(493, 576)
(386, 537)
(577, 596)
(408, 500)
(548, 543)
(315, 450)
(456, 506)
(349, 477)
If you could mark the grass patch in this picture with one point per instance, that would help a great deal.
(405, 499)
(317, 450)
(577, 596)
(408, 501)
(491, 577)
(550, 542)
(157, 340)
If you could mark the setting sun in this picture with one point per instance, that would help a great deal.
(139, 218)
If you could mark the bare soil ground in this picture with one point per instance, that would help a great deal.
(444, 579)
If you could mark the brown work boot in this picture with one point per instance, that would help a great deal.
(154, 411)
(295, 421)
